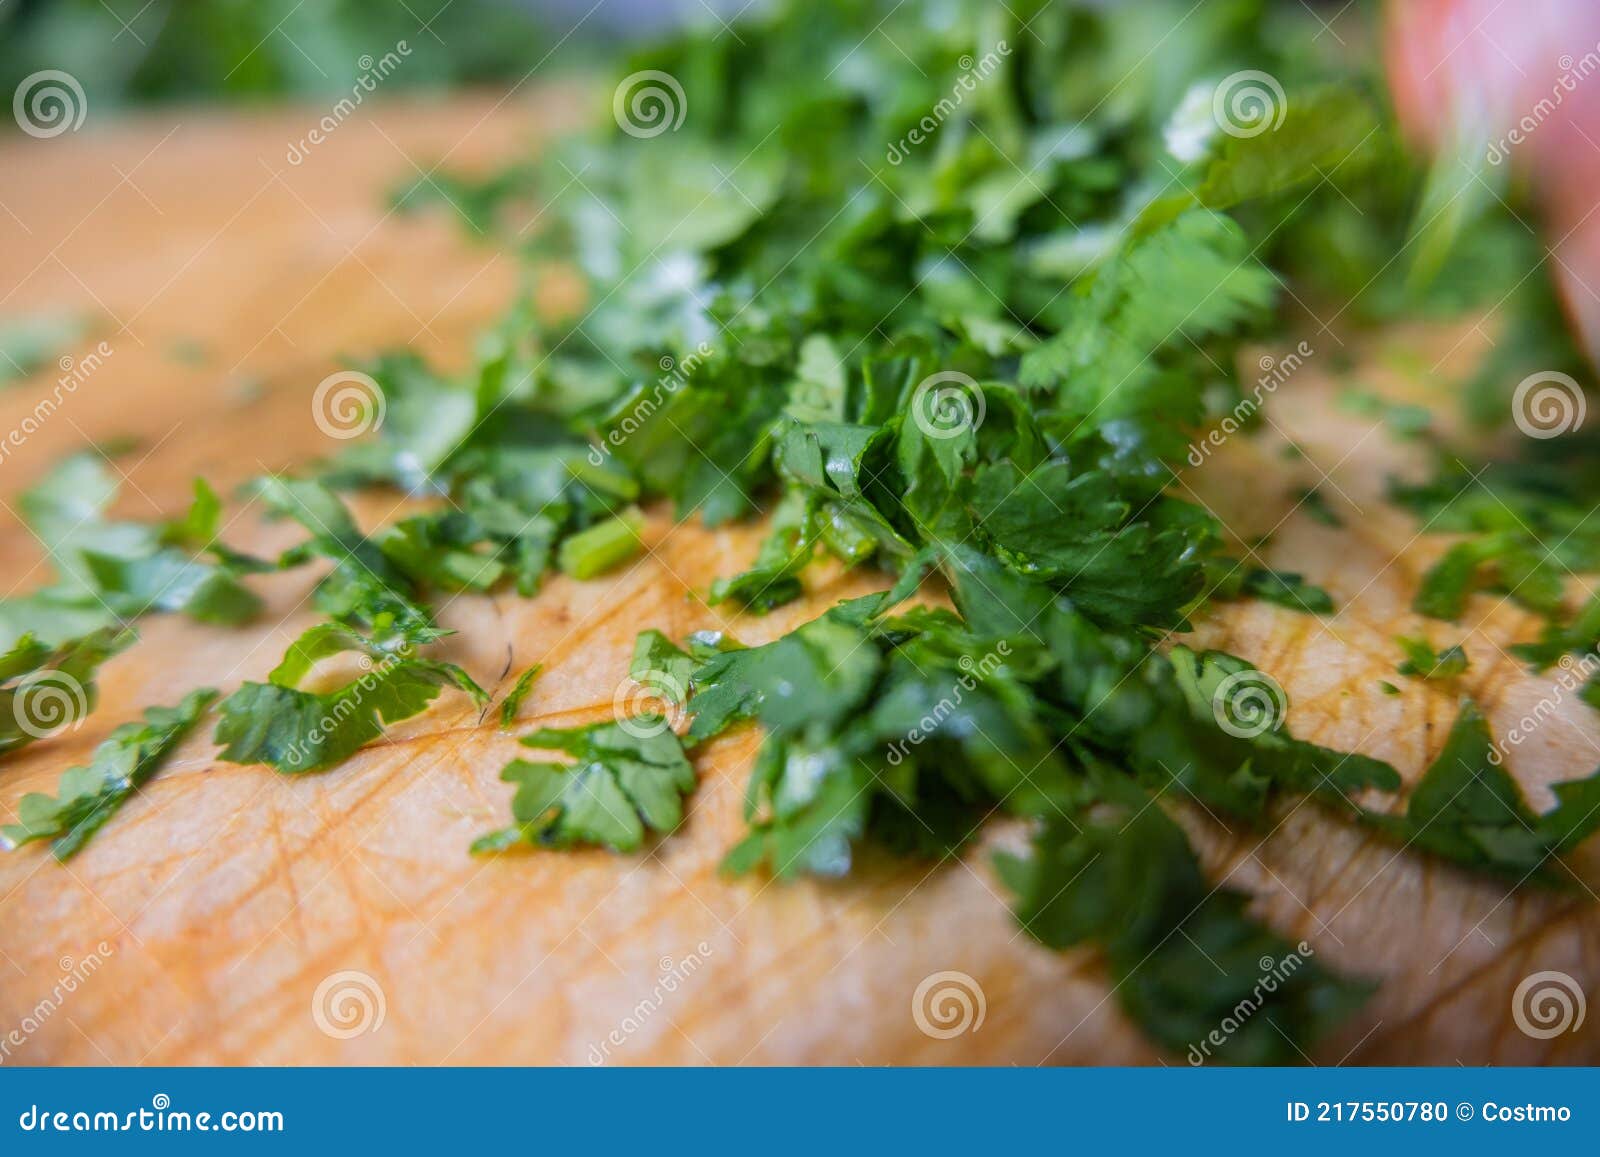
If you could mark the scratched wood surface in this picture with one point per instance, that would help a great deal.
(231, 915)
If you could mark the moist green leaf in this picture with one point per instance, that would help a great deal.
(297, 731)
(1468, 809)
(44, 689)
(519, 691)
(1188, 964)
(626, 778)
(365, 590)
(112, 572)
(89, 796)
(1423, 662)
(1287, 589)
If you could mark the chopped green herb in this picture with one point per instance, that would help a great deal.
(112, 572)
(985, 354)
(89, 796)
(519, 691)
(1423, 662)
(44, 689)
(1288, 590)
(625, 777)
(602, 546)
(297, 731)
(1469, 810)
(1185, 957)
(1315, 504)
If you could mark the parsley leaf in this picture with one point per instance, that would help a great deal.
(89, 796)
(112, 572)
(519, 691)
(1184, 957)
(626, 777)
(43, 688)
(1424, 662)
(1469, 810)
(297, 731)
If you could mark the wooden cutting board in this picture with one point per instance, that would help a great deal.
(232, 915)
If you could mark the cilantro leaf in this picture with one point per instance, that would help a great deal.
(1468, 809)
(1185, 958)
(519, 691)
(1424, 662)
(112, 572)
(297, 731)
(43, 688)
(89, 796)
(626, 777)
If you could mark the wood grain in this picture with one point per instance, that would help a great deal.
(219, 900)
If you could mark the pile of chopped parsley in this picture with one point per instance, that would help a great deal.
(973, 365)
